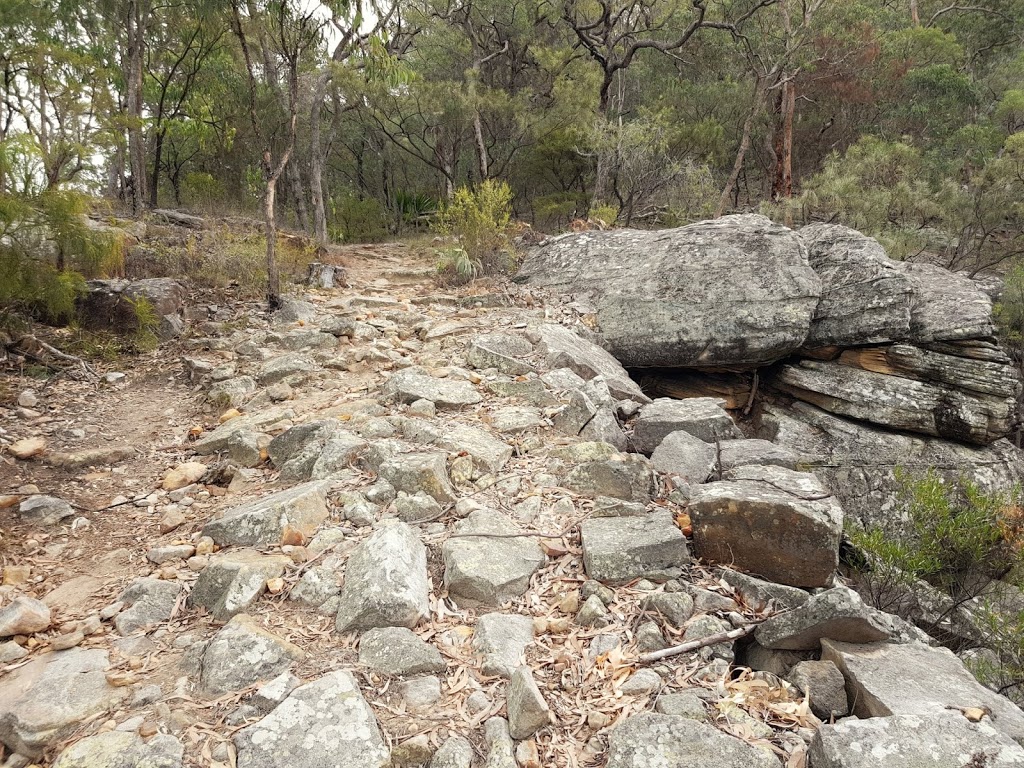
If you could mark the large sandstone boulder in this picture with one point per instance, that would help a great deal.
(651, 740)
(733, 291)
(113, 305)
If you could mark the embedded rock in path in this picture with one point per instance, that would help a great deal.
(408, 387)
(564, 349)
(110, 305)
(232, 581)
(503, 351)
(774, 522)
(620, 549)
(884, 679)
(290, 368)
(121, 749)
(23, 616)
(680, 453)
(260, 421)
(488, 452)
(297, 449)
(316, 587)
(419, 473)
(624, 476)
(385, 581)
(147, 602)
(456, 752)
(500, 747)
(184, 474)
(940, 740)
(482, 569)
(734, 291)
(45, 700)
(325, 722)
(651, 740)
(398, 651)
(865, 298)
(904, 403)
(836, 614)
(527, 710)
(45, 510)
(702, 417)
(241, 654)
(859, 462)
(502, 639)
(265, 521)
(232, 393)
(337, 454)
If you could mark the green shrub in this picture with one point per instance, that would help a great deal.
(456, 267)
(357, 220)
(479, 220)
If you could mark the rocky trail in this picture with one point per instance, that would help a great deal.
(394, 525)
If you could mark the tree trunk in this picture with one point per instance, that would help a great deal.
(136, 146)
(270, 227)
(297, 191)
(741, 153)
(915, 16)
(601, 172)
(154, 182)
(481, 147)
(782, 187)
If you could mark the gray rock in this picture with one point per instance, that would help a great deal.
(11, 651)
(292, 310)
(47, 699)
(293, 442)
(24, 616)
(676, 607)
(582, 453)
(273, 692)
(619, 549)
(942, 740)
(527, 710)
(503, 351)
(307, 338)
(488, 452)
(743, 453)
(564, 379)
(416, 508)
(232, 393)
(532, 391)
(232, 581)
(780, 524)
(572, 418)
(502, 639)
(486, 570)
(265, 521)
(757, 593)
(680, 453)
(420, 692)
(777, 662)
(45, 510)
(945, 306)
(398, 651)
(516, 419)
(836, 614)
(316, 587)
(408, 387)
(325, 722)
(564, 349)
(243, 653)
(687, 705)
(420, 472)
(605, 427)
(119, 749)
(733, 291)
(385, 581)
(652, 740)
(606, 506)
(706, 626)
(865, 298)
(702, 417)
(243, 448)
(624, 476)
(649, 637)
(884, 679)
(291, 367)
(641, 683)
(593, 613)
(500, 749)
(824, 686)
(146, 602)
(160, 555)
(260, 421)
(456, 752)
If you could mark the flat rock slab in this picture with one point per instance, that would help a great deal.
(682, 454)
(488, 452)
(762, 453)
(564, 349)
(652, 740)
(420, 473)
(885, 679)
(737, 290)
(486, 570)
(241, 654)
(702, 417)
(45, 510)
(502, 639)
(777, 523)
(260, 421)
(945, 306)
(503, 351)
(265, 522)
(385, 581)
(398, 651)
(619, 549)
(408, 387)
(147, 602)
(836, 614)
(232, 581)
(323, 723)
(940, 740)
(120, 749)
(624, 476)
(45, 700)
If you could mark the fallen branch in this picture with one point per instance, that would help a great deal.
(693, 645)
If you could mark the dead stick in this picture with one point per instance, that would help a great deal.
(693, 645)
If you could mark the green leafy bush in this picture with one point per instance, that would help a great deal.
(479, 220)
(357, 220)
(456, 267)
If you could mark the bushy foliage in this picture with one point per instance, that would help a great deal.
(478, 219)
(456, 267)
(357, 220)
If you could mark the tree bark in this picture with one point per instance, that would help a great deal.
(137, 22)
(270, 228)
(782, 187)
(154, 183)
(741, 153)
(915, 16)
(299, 193)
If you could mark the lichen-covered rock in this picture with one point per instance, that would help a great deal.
(502, 639)
(824, 686)
(527, 710)
(23, 616)
(420, 473)
(398, 651)
(779, 524)
(619, 549)
(734, 291)
(241, 654)
(232, 581)
(385, 581)
(146, 602)
(503, 351)
(265, 521)
(120, 749)
(564, 349)
(836, 614)
(624, 476)
(702, 417)
(652, 740)
(325, 722)
(759, 453)
(408, 387)
(45, 510)
(682, 454)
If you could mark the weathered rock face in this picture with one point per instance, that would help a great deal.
(241, 654)
(118, 749)
(564, 349)
(110, 305)
(775, 522)
(650, 740)
(734, 291)
(267, 520)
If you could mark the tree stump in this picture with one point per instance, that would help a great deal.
(325, 275)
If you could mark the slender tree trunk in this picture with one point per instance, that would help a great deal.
(136, 146)
(298, 192)
(915, 16)
(270, 227)
(154, 182)
(741, 153)
(782, 187)
(602, 171)
(481, 147)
